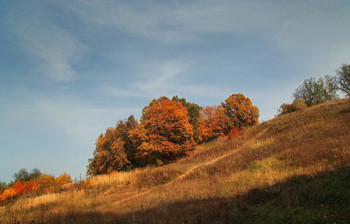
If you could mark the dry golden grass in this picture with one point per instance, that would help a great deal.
(215, 183)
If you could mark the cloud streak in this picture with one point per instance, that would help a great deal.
(298, 26)
(168, 78)
(66, 114)
(54, 48)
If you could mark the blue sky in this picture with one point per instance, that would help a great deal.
(70, 69)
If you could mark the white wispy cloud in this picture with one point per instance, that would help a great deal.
(54, 49)
(167, 78)
(159, 75)
(66, 114)
(179, 22)
(293, 28)
(300, 26)
(176, 22)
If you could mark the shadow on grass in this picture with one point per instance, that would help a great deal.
(302, 199)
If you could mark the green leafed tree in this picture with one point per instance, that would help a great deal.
(343, 79)
(3, 186)
(24, 175)
(314, 92)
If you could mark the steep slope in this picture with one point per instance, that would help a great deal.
(292, 169)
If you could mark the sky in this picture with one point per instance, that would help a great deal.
(70, 69)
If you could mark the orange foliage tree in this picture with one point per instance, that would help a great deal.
(46, 183)
(109, 155)
(213, 123)
(193, 112)
(240, 111)
(24, 187)
(1, 196)
(61, 180)
(114, 149)
(164, 133)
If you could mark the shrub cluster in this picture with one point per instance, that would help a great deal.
(297, 105)
(39, 183)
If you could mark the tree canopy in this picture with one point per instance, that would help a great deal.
(240, 111)
(213, 123)
(114, 149)
(24, 175)
(193, 112)
(169, 134)
(314, 92)
(343, 79)
(168, 130)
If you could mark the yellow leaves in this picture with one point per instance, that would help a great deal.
(138, 135)
(63, 179)
(240, 111)
(8, 193)
(117, 144)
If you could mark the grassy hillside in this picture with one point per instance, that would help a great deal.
(292, 169)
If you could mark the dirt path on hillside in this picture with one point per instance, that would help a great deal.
(131, 197)
(182, 176)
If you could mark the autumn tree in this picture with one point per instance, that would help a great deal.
(62, 179)
(213, 123)
(166, 131)
(114, 149)
(240, 111)
(343, 79)
(193, 111)
(109, 154)
(314, 92)
(123, 128)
